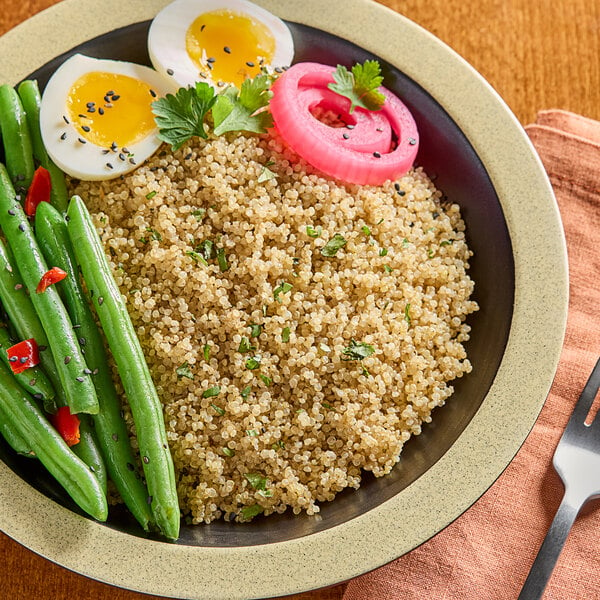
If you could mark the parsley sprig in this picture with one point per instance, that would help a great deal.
(182, 115)
(360, 85)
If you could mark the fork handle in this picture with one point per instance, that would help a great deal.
(550, 550)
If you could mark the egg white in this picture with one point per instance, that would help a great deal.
(88, 161)
(167, 37)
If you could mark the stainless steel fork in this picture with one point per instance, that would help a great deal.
(577, 461)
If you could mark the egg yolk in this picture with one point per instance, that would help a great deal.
(229, 46)
(110, 110)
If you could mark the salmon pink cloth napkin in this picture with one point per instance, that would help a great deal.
(486, 554)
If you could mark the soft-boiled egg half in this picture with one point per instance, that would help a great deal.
(96, 116)
(218, 41)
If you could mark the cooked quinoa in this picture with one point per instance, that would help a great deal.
(285, 373)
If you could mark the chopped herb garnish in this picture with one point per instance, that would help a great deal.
(266, 174)
(150, 195)
(407, 313)
(278, 445)
(199, 213)
(285, 335)
(387, 268)
(405, 243)
(245, 345)
(360, 85)
(357, 350)
(246, 392)
(253, 363)
(211, 392)
(251, 433)
(249, 512)
(446, 242)
(217, 409)
(380, 221)
(266, 380)
(257, 481)
(255, 330)
(206, 352)
(196, 257)
(333, 245)
(244, 109)
(206, 249)
(430, 253)
(181, 116)
(366, 230)
(184, 371)
(282, 288)
(222, 260)
(314, 232)
(383, 251)
(327, 406)
(155, 235)
(228, 452)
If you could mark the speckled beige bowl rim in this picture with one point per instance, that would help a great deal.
(482, 451)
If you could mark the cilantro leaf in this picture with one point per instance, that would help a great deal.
(360, 85)
(333, 245)
(242, 110)
(181, 116)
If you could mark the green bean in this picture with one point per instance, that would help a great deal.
(18, 409)
(110, 427)
(137, 382)
(30, 96)
(19, 308)
(72, 369)
(13, 439)
(16, 139)
(32, 380)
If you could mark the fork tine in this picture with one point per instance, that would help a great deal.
(582, 408)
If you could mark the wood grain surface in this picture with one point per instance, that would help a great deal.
(537, 54)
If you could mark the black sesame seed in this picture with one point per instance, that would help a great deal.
(115, 97)
(18, 286)
(146, 460)
(11, 212)
(211, 59)
(126, 150)
(80, 379)
(82, 116)
(122, 156)
(91, 293)
(65, 120)
(188, 156)
(345, 136)
(202, 28)
(379, 129)
(67, 360)
(153, 93)
(92, 468)
(227, 49)
(85, 128)
(170, 72)
(91, 109)
(95, 372)
(100, 111)
(82, 341)
(76, 326)
(249, 63)
(209, 65)
(114, 147)
(32, 381)
(149, 499)
(132, 161)
(100, 300)
(105, 151)
(109, 166)
(397, 186)
(115, 437)
(81, 141)
(87, 371)
(38, 396)
(110, 93)
(90, 104)
(63, 136)
(350, 126)
(377, 154)
(23, 360)
(13, 359)
(278, 70)
(21, 227)
(412, 141)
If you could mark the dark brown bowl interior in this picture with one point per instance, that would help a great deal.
(445, 154)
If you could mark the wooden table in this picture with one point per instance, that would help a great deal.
(536, 53)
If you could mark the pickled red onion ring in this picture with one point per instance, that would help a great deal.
(365, 154)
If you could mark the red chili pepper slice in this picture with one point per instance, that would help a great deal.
(39, 191)
(23, 355)
(54, 275)
(67, 425)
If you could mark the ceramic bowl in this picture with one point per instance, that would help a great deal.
(480, 158)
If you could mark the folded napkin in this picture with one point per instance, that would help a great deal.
(486, 554)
